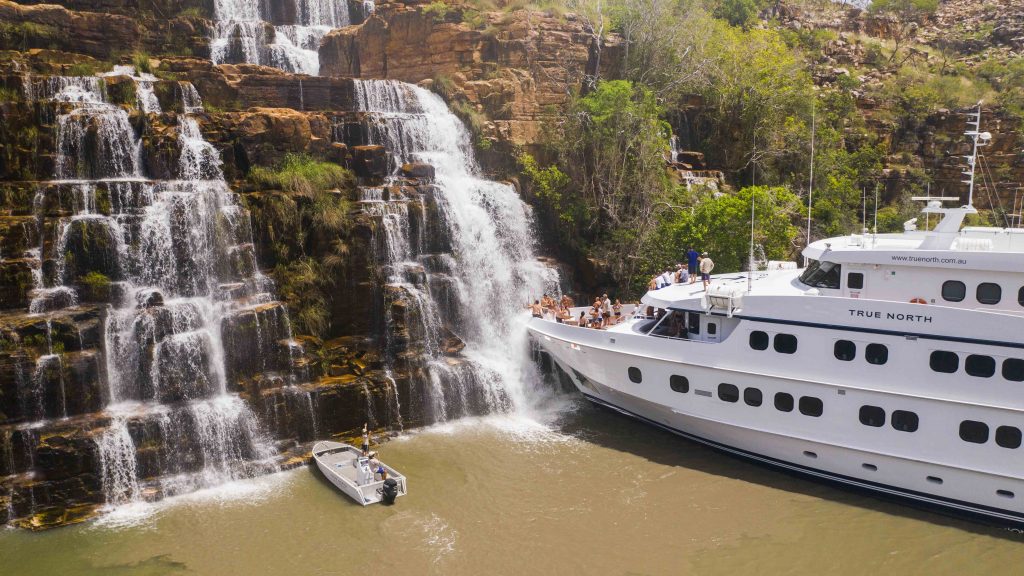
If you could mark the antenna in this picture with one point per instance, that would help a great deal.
(974, 124)
(864, 209)
(874, 231)
(928, 215)
(810, 183)
(750, 266)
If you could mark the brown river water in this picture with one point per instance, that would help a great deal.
(581, 491)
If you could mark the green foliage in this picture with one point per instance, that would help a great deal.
(191, 12)
(83, 69)
(474, 119)
(1007, 77)
(141, 62)
(551, 187)
(905, 9)
(301, 283)
(437, 10)
(611, 147)
(720, 225)
(9, 94)
(738, 12)
(25, 35)
(444, 86)
(474, 19)
(316, 201)
(303, 175)
(95, 280)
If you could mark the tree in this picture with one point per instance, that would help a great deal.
(908, 15)
(720, 224)
(738, 12)
(611, 146)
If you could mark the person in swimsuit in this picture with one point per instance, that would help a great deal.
(536, 309)
(617, 310)
(366, 440)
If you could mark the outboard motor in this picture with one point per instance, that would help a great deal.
(389, 492)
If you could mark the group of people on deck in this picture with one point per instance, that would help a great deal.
(601, 314)
(696, 263)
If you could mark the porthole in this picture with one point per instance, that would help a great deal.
(811, 406)
(785, 343)
(904, 421)
(935, 480)
(1013, 369)
(1020, 296)
(1008, 437)
(872, 416)
(989, 293)
(943, 361)
(1004, 493)
(810, 454)
(635, 376)
(844, 350)
(679, 383)
(867, 466)
(974, 431)
(876, 354)
(783, 402)
(759, 340)
(980, 366)
(954, 291)
(752, 397)
(728, 392)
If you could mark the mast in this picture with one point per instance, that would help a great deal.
(810, 184)
(974, 134)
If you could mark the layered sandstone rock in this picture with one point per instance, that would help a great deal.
(513, 69)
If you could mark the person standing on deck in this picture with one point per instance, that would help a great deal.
(606, 311)
(366, 440)
(691, 264)
(706, 266)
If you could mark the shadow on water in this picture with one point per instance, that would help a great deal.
(613, 430)
(162, 564)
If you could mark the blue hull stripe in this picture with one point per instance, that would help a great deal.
(842, 328)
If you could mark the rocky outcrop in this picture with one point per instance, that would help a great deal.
(512, 67)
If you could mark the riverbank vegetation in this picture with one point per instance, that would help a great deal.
(731, 80)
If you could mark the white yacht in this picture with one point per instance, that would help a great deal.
(892, 363)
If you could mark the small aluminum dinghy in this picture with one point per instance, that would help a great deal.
(347, 468)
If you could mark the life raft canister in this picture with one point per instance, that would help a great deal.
(918, 301)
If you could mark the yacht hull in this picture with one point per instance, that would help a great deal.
(863, 470)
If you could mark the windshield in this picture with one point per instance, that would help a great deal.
(822, 275)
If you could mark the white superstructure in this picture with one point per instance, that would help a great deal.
(892, 362)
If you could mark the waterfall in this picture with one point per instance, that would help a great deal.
(181, 255)
(242, 32)
(477, 285)
(118, 469)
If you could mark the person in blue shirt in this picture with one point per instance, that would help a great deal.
(691, 263)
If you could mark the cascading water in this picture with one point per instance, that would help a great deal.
(243, 33)
(478, 290)
(179, 257)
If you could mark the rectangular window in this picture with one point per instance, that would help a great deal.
(785, 343)
(811, 406)
(855, 281)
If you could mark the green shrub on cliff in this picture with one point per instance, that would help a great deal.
(301, 284)
(303, 175)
